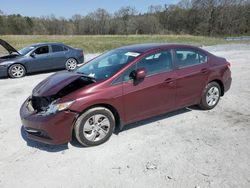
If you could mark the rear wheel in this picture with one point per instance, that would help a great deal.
(71, 64)
(95, 126)
(210, 96)
(17, 71)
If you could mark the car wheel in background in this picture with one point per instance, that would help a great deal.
(95, 126)
(210, 96)
(17, 71)
(71, 64)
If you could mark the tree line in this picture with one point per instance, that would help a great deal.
(195, 17)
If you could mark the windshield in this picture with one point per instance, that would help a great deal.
(106, 65)
(26, 50)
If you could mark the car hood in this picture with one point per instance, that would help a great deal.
(8, 47)
(61, 84)
(11, 58)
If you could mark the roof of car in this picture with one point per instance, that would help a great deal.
(141, 48)
(46, 43)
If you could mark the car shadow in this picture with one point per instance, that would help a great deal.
(156, 118)
(42, 146)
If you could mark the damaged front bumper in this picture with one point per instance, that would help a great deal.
(52, 129)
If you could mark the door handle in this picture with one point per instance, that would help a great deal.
(205, 70)
(169, 80)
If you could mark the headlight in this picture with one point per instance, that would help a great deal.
(54, 108)
(4, 65)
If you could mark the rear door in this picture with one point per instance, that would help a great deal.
(192, 70)
(153, 95)
(58, 57)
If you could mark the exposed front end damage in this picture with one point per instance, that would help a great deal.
(40, 103)
(51, 128)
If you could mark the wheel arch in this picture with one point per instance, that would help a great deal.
(71, 57)
(19, 63)
(118, 120)
(220, 83)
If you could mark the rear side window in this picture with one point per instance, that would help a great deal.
(42, 50)
(186, 58)
(57, 48)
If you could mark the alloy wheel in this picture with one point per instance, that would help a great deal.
(17, 71)
(96, 127)
(71, 64)
(212, 96)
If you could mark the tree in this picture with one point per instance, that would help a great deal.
(123, 16)
(101, 19)
(196, 17)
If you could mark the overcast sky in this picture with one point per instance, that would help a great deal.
(67, 8)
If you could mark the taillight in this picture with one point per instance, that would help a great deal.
(81, 53)
(228, 65)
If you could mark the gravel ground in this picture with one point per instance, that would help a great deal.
(185, 148)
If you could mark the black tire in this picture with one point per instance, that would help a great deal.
(13, 71)
(205, 105)
(80, 126)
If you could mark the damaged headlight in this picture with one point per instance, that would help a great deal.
(54, 108)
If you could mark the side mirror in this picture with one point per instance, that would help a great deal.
(33, 54)
(140, 74)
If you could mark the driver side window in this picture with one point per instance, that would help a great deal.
(42, 50)
(154, 64)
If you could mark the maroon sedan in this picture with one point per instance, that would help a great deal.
(120, 87)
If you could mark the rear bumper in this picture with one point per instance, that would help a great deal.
(52, 129)
(227, 79)
(3, 71)
(227, 85)
(80, 59)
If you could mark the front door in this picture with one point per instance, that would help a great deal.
(40, 59)
(153, 95)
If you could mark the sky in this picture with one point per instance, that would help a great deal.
(67, 8)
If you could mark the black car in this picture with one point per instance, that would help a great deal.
(38, 57)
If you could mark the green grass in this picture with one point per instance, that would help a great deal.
(101, 43)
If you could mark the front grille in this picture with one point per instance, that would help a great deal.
(40, 103)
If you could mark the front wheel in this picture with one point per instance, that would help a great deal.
(210, 96)
(17, 71)
(71, 64)
(95, 126)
